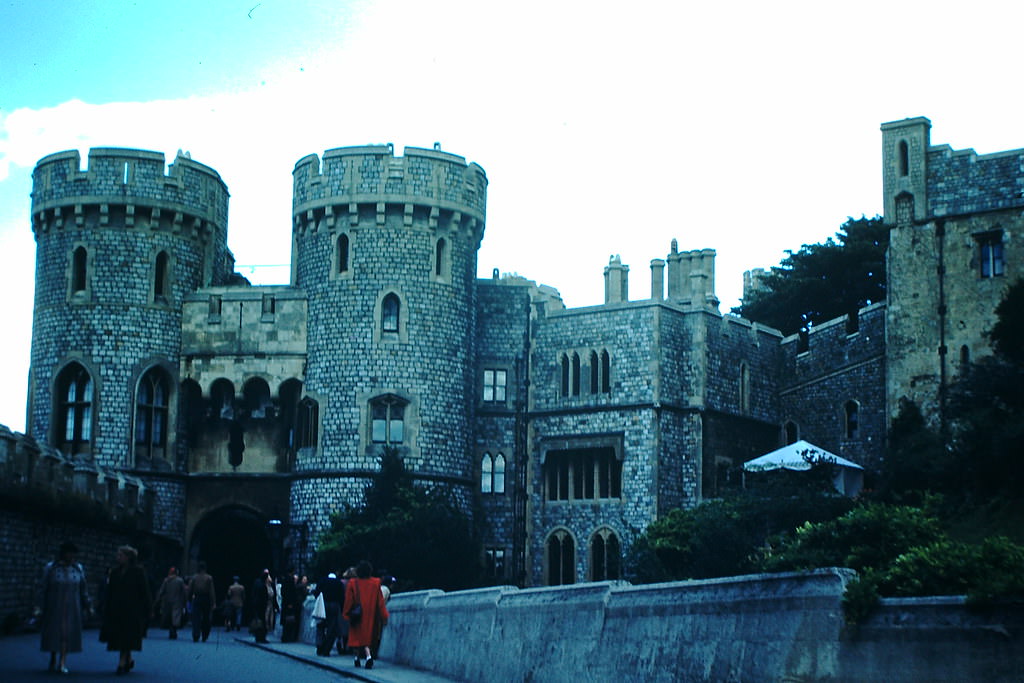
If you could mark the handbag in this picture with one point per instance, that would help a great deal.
(319, 609)
(355, 613)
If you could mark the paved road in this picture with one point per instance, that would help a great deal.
(222, 658)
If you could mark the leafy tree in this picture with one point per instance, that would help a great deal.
(418, 534)
(916, 461)
(1007, 334)
(824, 281)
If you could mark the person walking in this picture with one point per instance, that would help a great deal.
(128, 605)
(63, 604)
(290, 607)
(170, 601)
(262, 592)
(363, 592)
(204, 596)
(332, 590)
(236, 603)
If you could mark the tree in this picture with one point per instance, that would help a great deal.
(418, 534)
(824, 281)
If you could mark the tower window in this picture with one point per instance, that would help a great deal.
(495, 386)
(389, 313)
(595, 369)
(851, 409)
(575, 374)
(387, 420)
(151, 414)
(74, 409)
(744, 388)
(565, 375)
(307, 423)
(439, 257)
(990, 246)
(80, 260)
(160, 277)
(904, 153)
(343, 254)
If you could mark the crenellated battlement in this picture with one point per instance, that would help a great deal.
(129, 188)
(351, 182)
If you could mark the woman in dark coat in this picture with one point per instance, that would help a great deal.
(128, 607)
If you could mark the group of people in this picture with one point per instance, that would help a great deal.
(353, 614)
(64, 605)
(353, 618)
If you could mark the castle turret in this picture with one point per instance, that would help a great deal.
(119, 245)
(386, 248)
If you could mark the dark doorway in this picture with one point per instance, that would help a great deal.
(233, 542)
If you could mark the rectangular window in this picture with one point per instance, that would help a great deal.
(991, 247)
(495, 382)
(583, 475)
(495, 563)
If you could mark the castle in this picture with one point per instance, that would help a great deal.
(250, 413)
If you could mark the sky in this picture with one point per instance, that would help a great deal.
(605, 128)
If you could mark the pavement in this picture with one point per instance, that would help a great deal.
(383, 671)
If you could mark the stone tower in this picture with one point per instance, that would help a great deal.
(386, 249)
(119, 245)
(955, 227)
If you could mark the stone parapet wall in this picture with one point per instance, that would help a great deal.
(769, 627)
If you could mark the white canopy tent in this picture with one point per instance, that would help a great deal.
(849, 478)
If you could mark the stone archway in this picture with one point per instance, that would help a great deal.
(232, 541)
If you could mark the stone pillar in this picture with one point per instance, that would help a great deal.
(657, 279)
(616, 281)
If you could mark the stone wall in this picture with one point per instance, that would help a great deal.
(769, 627)
(46, 499)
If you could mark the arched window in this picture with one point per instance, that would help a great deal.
(605, 556)
(190, 408)
(222, 400)
(343, 253)
(486, 474)
(744, 388)
(850, 410)
(74, 410)
(389, 311)
(561, 559)
(387, 420)
(79, 263)
(256, 393)
(307, 423)
(499, 474)
(575, 374)
(160, 277)
(565, 375)
(595, 369)
(152, 399)
(904, 153)
(439, 257)
(791, 432)
(606, 370)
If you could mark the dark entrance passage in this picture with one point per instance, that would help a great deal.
(232, 541)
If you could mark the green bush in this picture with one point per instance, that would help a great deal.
(871, 536)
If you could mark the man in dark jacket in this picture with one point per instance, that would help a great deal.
(333, 591)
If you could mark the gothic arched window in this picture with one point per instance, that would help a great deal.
(605, 556)
(307, 423)
(389, 311)
(161, 272)
(151, 402)
(74, 410)
(852, 419)
(904, 153)
(561, 559)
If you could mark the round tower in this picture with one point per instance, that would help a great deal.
(118, 246)
(386, 249)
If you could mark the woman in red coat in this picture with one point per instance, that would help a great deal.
(364, 590)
